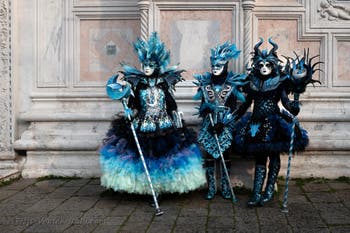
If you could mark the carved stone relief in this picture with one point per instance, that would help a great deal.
(6, 122)
(330, 10)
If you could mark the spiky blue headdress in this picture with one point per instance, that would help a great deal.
(152, 51)
(221, 54)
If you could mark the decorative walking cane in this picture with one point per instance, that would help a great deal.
(301, 75)
(122, 92)
(290, 154)
(284, 208)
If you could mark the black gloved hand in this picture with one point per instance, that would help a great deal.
(218, 128)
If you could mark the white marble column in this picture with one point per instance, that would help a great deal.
(6, 117)
(144, 8)
(248, 6)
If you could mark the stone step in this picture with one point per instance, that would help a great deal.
(8, 164)
(9, 174)
(10, 169)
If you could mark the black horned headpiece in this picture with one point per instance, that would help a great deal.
(265, 55)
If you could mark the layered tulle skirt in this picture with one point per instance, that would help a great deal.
(173, 160)
(272, 134)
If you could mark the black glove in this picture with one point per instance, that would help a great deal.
(294, 107)
(218, 128)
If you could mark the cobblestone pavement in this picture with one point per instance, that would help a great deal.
(82, 205)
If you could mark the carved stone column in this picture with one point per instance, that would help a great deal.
(6, 122)
(248, 6)
(144, 7)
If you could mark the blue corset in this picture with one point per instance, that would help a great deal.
(153, 113)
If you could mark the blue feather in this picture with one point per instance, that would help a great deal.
(152, 50)
(221, 54)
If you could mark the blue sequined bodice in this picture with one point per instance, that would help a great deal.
(266, 103)
(153, 113)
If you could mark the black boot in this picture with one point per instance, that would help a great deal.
(274, 168)
(259, 177)
(225, 185)
(211, 180)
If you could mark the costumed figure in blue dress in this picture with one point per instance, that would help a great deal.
(218, 91)
(266, 132)
(170, 151)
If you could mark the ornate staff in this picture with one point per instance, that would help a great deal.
(122, 92)
(301, 71)
(290, 154)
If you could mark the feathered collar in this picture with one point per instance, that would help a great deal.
(171, 76)
(233, 79)
(269, 84)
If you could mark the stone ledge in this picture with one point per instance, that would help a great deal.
(86, 164)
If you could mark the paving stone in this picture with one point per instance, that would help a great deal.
(123, 210)
(276, 228)
(170, 210)
(12, 209)
(106, 204)
(12, 228)
(46, 227)
(193, 201)
(315, 187)
(221, 230)
(189, 229)
(322, 197)
(292, 189)
(339, 186)
(165, 219)
(220, 222)
(50, 185)
(347, 204)
(194, 212)
(108, 229)
(340, 229)
(139, 226)
(20, 184)
(334, 213)
(343, 195)
(65, 218)
(304, 215)
(114, 221)
(221, 209)
(271, 216)
(246, 228)
(77, 182)
(21, 219)
(77, 204)
(139, 216)
(90, 190)
(30, 194)
(295, 198)
(311, 229)
(95, 181)
(4, 194)
(193, 221)
(94, 216)
(64, 192)
(45, 205)
(81, 228)
(164, 227)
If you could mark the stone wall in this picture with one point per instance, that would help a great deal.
(64, 51)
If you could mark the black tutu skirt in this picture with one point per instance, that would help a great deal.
(269, 135)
